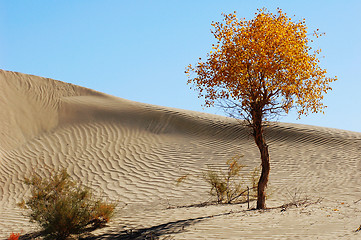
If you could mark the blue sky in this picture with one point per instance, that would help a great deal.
(138, 50)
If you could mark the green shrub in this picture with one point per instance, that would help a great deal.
(63, 207)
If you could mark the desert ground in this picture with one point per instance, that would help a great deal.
(133, 153)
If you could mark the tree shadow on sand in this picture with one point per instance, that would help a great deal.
(151, 233)
(155, 232)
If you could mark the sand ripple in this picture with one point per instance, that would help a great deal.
(133, 153)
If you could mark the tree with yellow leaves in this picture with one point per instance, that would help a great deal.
(259, 69)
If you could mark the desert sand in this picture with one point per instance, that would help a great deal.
(133, 153)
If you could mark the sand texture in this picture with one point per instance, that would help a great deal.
(134, 153)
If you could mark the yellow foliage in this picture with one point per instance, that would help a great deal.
(264, 63)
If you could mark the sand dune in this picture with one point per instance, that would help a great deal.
(133, 153)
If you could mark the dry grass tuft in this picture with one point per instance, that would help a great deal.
(228, 186)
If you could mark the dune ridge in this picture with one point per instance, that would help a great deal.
(134, 152)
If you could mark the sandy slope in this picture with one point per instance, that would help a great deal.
(133, 153)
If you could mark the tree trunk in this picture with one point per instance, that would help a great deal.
(263, 148)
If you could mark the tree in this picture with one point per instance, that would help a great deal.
(260, 69)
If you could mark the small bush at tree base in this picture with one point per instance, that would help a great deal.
(229, 186)
(226, 186)
(63, 207)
